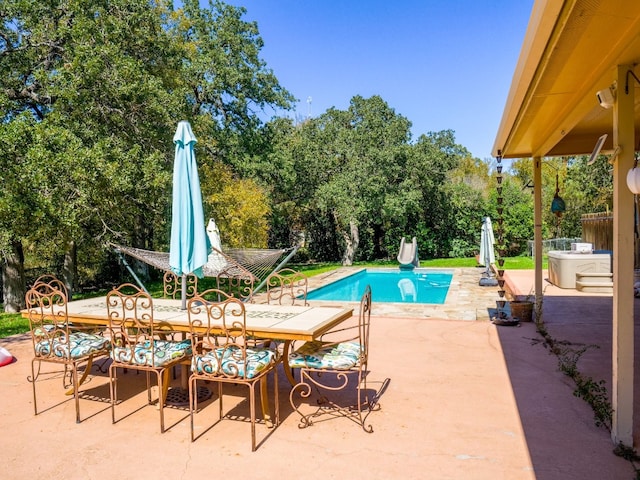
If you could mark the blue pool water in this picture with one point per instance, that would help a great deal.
(398, 286)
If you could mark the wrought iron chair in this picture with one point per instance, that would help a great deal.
(54, 281)
(235, 283)
(287, 287)
(138, 342)
(172, 285)
(54, 341)
(223, 353)
(326, 367)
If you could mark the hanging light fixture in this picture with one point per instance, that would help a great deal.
(633, 178)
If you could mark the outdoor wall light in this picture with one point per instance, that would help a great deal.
(606, 97)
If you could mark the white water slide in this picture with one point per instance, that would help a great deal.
(408, 254)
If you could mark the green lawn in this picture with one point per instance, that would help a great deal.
(512, 263)
(13, 323)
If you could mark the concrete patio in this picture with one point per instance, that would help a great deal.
(466, 399)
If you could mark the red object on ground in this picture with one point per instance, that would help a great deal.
(5, 357)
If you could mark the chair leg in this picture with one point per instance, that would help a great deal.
(252, 410)
(277, 395)
(76, 394)
(309, 382)
(160, 375)
(264, 401)
(113, 390)
(368, 403)
(33, 384)
(253, 392)
(193, 403)
(303, 389)
(148, 374)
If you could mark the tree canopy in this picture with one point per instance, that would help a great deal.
(357, 183)
(91, 92)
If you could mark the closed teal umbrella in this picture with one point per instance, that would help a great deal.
(189, 242)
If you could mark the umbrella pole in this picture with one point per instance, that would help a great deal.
(180, 395)
(184, 292)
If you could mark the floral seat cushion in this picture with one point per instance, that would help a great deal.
(320, 355)
(80, 345)
(230, 361)
(165, 352)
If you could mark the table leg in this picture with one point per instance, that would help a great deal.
(184, 376)
(84, 376)
(165, 385)
(264, 401)
(285, 362)
(180, 395)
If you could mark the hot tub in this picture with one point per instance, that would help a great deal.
(563, 266)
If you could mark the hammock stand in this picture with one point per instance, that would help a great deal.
(241, 268)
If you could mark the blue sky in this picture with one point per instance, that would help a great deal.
(443, 64)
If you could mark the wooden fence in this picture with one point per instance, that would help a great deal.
(597, 229)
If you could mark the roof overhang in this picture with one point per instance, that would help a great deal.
(571, 50)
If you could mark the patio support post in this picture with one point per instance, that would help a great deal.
(623, 254)
(537, 230)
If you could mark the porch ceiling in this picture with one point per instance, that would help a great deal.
(571, 51)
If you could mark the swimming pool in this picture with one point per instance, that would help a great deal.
(396, 286)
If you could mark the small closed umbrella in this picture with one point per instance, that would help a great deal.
(487, 241)
(216, 261)
(487, 255)
(189, 242)
(213, 232)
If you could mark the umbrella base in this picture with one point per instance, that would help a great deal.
(488, 282)
(178, 397)
(506, 322)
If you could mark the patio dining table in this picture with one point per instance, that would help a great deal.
(264, 321)
(286, 323)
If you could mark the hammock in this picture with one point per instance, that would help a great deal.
(248, 264)
(258, 261)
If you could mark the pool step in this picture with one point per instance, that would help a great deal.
(594, 282)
